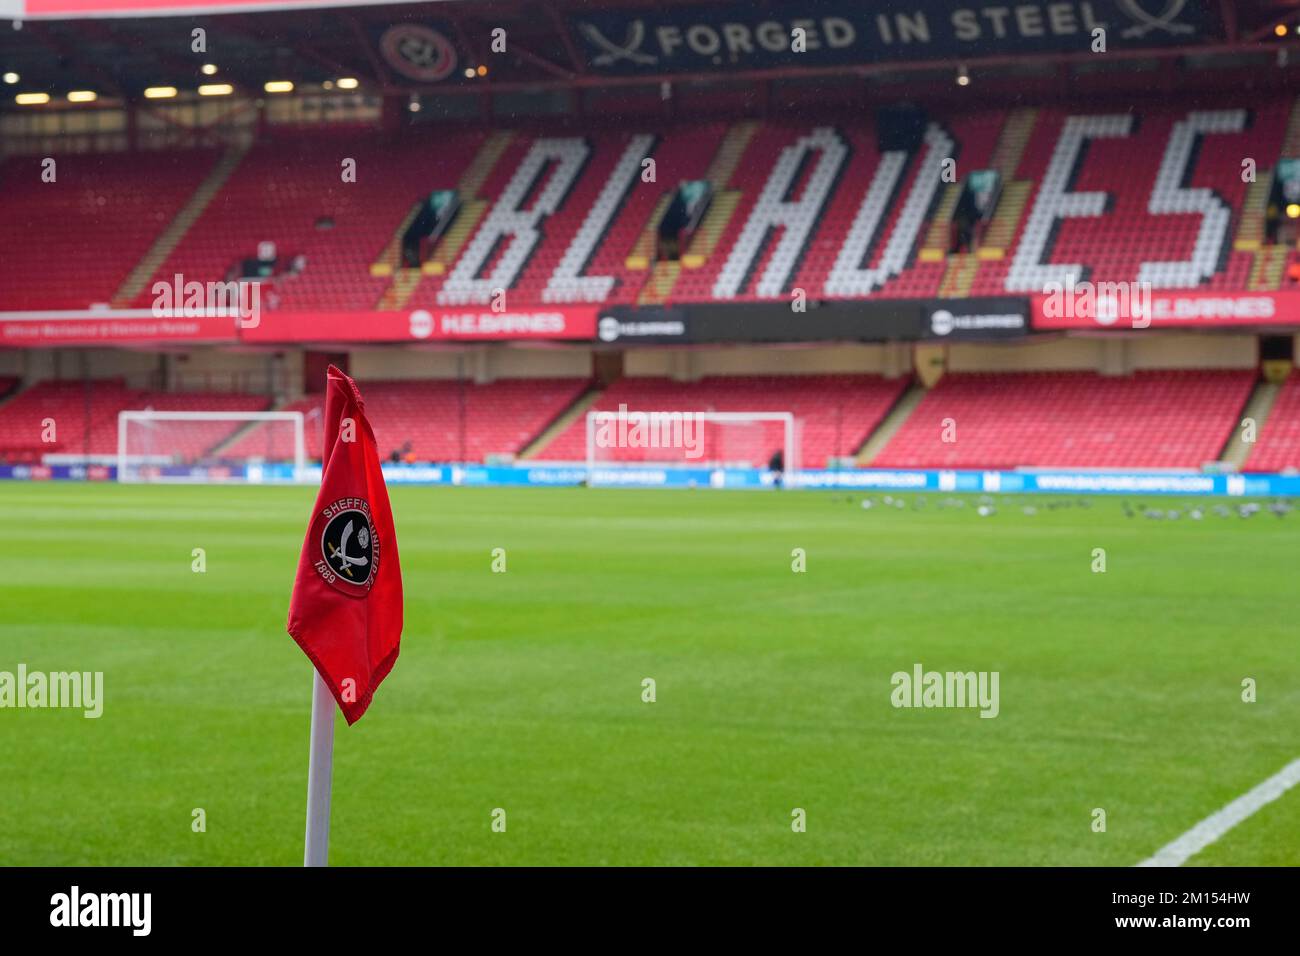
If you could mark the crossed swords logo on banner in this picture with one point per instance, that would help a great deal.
(1146, 22)
(629, 49)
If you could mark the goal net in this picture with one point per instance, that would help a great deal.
(627, 440)
(252, 447)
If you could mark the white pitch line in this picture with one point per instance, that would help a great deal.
(1217, 824)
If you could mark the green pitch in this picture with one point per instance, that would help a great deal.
(523, 690)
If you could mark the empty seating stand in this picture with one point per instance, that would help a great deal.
(78, 411)
(95, 221)
(291, 191)
(835, 413)
(1172, 221)
(1150, 419)
(443, 420)
(85, 414)
(1278, 444)
(1148, 214)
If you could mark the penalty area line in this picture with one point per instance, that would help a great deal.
(1217, 824)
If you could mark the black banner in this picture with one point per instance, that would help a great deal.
(750, 36)
(863, 320)
(858, 320)
(999, 317)
(58, 908)
(644, 326)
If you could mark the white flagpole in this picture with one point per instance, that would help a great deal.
(320, 772)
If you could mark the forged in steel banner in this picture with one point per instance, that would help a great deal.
(752, 36)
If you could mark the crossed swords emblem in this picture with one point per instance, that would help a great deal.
(341, 552)
(629, 49)
(1146, 22)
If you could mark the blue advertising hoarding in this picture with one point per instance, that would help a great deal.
(565, 474)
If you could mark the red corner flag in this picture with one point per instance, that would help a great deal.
(346, 610)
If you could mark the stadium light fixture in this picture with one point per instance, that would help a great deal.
(11, 78)
(278, 86)
(159, 92)
(82, 96)
(32, 99)
(216, 89)
(348, 83)
(208, 69)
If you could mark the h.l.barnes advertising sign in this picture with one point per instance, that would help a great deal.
(1113, 307)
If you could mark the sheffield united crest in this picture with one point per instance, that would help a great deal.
(349, 547)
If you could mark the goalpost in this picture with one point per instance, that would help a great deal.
(623, 441)
(198, 447)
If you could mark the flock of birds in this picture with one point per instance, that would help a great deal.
(1281, 508)
(986, 506)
